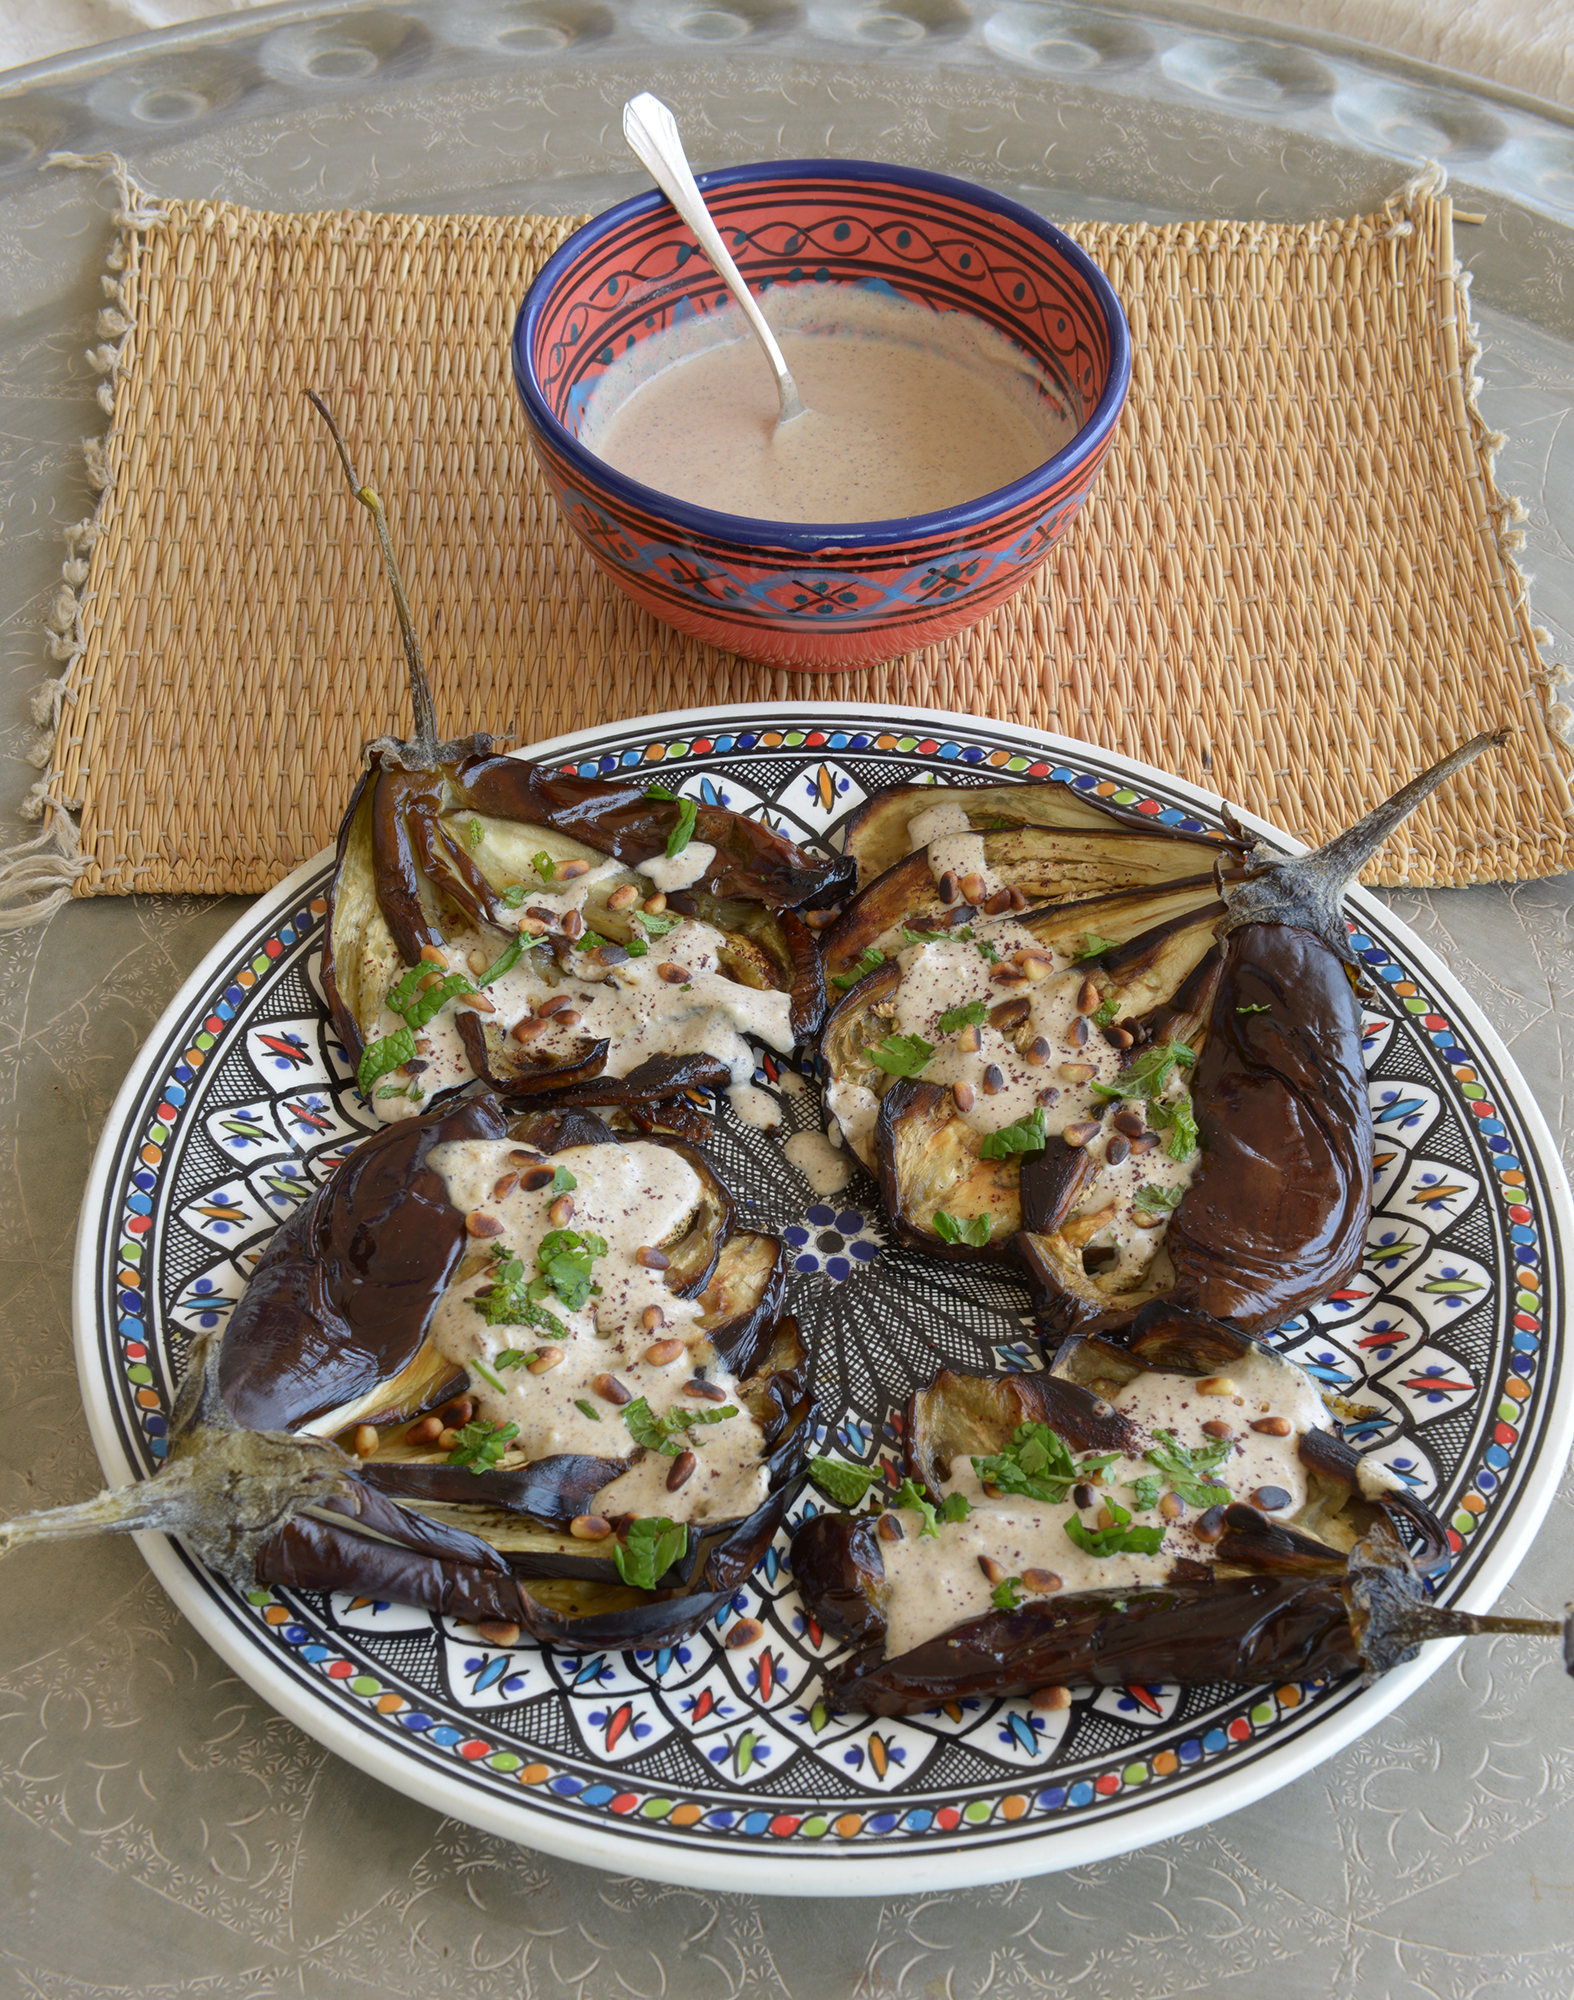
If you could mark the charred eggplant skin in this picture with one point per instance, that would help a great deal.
(342, 1296)
(1243, 1630)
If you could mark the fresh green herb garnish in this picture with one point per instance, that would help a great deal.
(378, 1058)
(404, 988)
(988, 950)
(1109, 1090)
(648, 1548)
(653, 923)
(1121, 1539)
(1027, 1135)
(954, 1507)
(974, 1229)
(636, 947)
(1145, 1493)
(1007, 1594)
(513, 895)
(667, 1434)
(586, 1408)
(1158, 1200)
(436, 998)
(1189, 1471)
(918, 937)
(973, 1015)
(490, 1376)
(1094, 946)
(564, 1259)
(846, 1484)
(480, 1444)
(659, 792)
(475, 833)
(1180, 1121)
(509, 958)
(1038, 1465)
(510, 1301)
(1105, 1014)
(683, 832)
(514, 1357)
(869, 960)
(544, 865)
(1150, 1074)
(901, 1055)
(563, 1182)
(1263, 1009)
(411, 1090)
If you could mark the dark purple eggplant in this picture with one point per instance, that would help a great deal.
(1276, 1602)
(429, 845)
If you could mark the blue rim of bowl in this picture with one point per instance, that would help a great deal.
(806, 536)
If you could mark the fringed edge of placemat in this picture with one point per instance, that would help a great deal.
(37, 876)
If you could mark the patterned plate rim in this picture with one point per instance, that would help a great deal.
(1007, 1840)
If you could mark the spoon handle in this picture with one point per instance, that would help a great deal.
(652, 133)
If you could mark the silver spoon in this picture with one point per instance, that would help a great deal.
(652, 132)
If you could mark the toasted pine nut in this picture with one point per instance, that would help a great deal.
(611, 1390)
(1274, 1427)
(1035, 969)
(674, 974)
(482, 1003)
(1048, 1701)
(569, 1018)
(1042, 1582)
(1010, 1013)
(498, 1631)
(562, 1211)
(972, 887)
(621, 898)
(1172, 1507)
(1077, 1033)
(478, 1223)
(652, 1258)
(433, 956)
(662, 1353)
(458, 1413)
(504, 1185)
(590, 1528)
(365, 1440)
(545, 1009)
(447, 1438)
(1074, 1072)
(651, 1318)
(567, 871)
(1128, 1121)
(992, 1570)
(1116, 1147)
(654, 905)
(1080, 1132)
(1037, 1052)
(549, 1357)
(535, 1178)
(889, 1528)
(1217, 1429)
(1217, 1385)
(965, 1096)
(527, 1029)
(1209, 1526)
(427, 1431)
(682, 1470)
(1087, 998)
(478, 961)
(573, 924)
(968, 1039)
(746, 1632)
(820, 920)
(532, 926)
(948, 890)
(998, 903)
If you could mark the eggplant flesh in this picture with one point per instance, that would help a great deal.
(877, 837)
(1332, 1592)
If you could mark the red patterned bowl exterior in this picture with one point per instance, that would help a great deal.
(834, 595)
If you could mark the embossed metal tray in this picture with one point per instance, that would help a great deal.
(705, 1766)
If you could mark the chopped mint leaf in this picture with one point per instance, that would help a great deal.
(1027, 1135)
(1190, 1472)
(683, 832)
(1158, 1200)
(563, 1182)
(869, 960)
(1264, 1009)
(659, 792)
(1180, 1121)
(1007, 1594)
(1106, 1013)
(544, 865)
(514, 1357)
(1144, 1493)
(667, 1434)
(564, 1258)
(901, 1055)
(1038, 1465)
(432, 1002)
(480, 1444)
(846, 1484)
(653, 923)
(513, 895)
(586, 1408)
(1122, 1539)
(648, 1548)
(973, 1015)
(974, 1229)
(988, 950)
(391, 1053)
(508, 1301)
(1094, 946)
(475, 833)
(510, 957)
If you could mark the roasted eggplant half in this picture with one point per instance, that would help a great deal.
(1152, 1098)
(1136, 1525)
(508, 1366)
(514, 922)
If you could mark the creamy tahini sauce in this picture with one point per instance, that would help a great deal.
(821, 1164)
(934, 1582)
(951, 972)
(635, 1195)
(908, 410)
(639, 1012)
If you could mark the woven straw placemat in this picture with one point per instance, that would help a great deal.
(1293, 583)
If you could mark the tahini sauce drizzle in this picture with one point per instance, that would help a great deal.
(633, 1195)
(952, 971)
(934, 1582)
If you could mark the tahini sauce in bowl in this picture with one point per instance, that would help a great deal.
(909, 410)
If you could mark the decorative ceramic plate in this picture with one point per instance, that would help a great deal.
(728, 1769)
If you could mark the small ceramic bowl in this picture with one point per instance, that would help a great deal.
(836, 594)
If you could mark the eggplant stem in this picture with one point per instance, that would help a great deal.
(1308, 890)
(424, 744)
